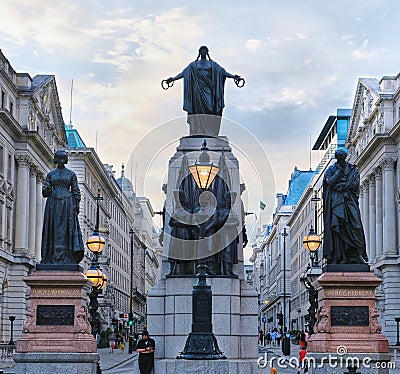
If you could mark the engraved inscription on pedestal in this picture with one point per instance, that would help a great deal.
(349, 316)
(55, 315)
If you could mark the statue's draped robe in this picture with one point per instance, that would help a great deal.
(61, 237)
(204, 98)
(343, 230)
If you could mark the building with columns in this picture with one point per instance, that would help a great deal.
(308, 212)
(374, 146)
(31, 129)
(120, 211)
(272, 256)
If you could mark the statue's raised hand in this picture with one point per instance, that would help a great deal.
(167, 83)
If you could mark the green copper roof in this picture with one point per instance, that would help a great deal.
(74, 139)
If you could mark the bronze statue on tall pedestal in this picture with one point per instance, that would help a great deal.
(61, 237)
(344, 240)
(203, 97)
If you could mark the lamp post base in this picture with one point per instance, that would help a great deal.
(201, 346)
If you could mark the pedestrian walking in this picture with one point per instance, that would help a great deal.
(122, 344)
(111, 342)
(303, 367)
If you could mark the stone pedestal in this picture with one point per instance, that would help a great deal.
(347, 324)
(57, 333)
(234, 302)
(234, 316)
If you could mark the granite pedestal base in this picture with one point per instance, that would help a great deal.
(60, 363)
(57, 333)
(234, 316)
(347, 320)
(170, 366)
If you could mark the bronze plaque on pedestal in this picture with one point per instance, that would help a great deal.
(349, 316)
(55, 315)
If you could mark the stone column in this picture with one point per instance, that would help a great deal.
(389, 217)
(32, 212)
(372, 219)
(39, 216)
(379, 212)
(2, 219)
(365, 213)
(21, 224)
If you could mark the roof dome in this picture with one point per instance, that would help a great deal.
(126, 185)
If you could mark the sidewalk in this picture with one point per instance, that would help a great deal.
(112, 360)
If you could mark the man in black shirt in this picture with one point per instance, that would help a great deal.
(145, 348)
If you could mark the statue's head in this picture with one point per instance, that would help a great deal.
(203, 49)
(203, 52)
(340, 155)
(60, 156)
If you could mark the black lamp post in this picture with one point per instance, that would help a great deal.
(397, 319)
(312, 299)
(131, 233)
(315, 200)
(311, 243)
(95, 244)
(285, 338)
(201, 343)
(12, 319)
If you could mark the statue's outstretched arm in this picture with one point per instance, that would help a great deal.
(169, 82)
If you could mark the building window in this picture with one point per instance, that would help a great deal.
(9, 168)
(1, 160)
(3, 99)
(11, 108)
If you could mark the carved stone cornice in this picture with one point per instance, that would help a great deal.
(40, 176)
(371, 179)
(378, 172)
(32, 169)
(364, 185)
(23, 160)
(387, 163)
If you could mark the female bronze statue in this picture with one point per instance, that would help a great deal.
(61, 237)
(203, 100)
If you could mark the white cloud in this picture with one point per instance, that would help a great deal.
(253, 45)
(292, 57)
(365, 53)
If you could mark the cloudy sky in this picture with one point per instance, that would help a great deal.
(301, 61)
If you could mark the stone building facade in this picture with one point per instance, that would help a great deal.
(308, 213)
(272, 257)
(374, 146)
(31, 129)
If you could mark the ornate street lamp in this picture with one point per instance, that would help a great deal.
(312, 242)
(204, 171)
(201, 343)
(95, 244)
